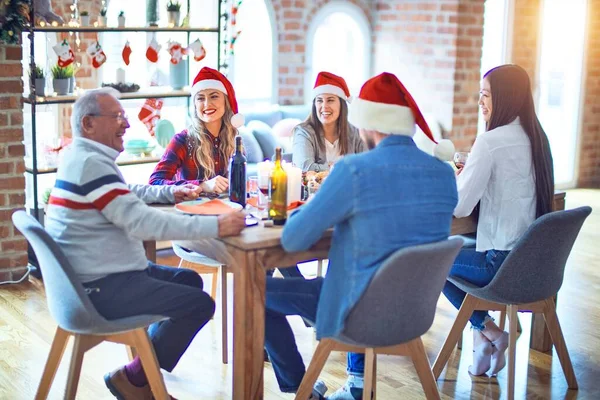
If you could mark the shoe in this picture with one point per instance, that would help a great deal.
(498, 361)
(347, 392)
(318, 392)
(119, 385)
(482, 356)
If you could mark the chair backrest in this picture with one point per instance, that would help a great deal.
(400, 302)
(535, 267)
(68, 303)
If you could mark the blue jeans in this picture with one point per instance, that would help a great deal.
(290, 296)
(478, 268)
(157, 290)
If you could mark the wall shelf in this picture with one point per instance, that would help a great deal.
(146, 93)
(67, 29)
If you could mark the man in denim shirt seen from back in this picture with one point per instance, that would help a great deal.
(378, 202)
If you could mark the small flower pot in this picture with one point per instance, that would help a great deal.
(84, 20)
(121, 22)
(173, 18)
(71, 84)
(61, 86)
(178, 75)
(40, 87)
(102, 21)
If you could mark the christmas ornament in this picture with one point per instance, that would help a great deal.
(198, 49)
(64, 53)
(98, 57)
(150, 114)
(176, 51)
(126, 53)
(152, 51)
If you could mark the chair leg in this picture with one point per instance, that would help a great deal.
(512, 348)
(421, 363)
(213, 286)
(149, 363)
(559, 342)
(80, 346)
(320, 268)
(131, 353)
(224, 347)
(314, 369)
(59, 343)
(370, 381)
(503, 320)
(459, 343)
(455, 333)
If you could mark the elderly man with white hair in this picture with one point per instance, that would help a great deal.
(100, 222)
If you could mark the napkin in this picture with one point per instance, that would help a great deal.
(253, 201)
(212, 207)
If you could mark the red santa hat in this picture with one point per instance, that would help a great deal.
(384, 105)
(332, 84)
(209, 78)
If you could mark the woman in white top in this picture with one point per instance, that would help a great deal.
(509, 173)
(326, 135)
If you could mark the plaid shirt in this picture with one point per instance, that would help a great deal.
(178, 166)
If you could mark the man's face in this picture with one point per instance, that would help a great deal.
(367, 137)
(109, 125)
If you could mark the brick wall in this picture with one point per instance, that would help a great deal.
(13, 247)
(526, 30)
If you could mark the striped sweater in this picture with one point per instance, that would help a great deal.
(100, 222)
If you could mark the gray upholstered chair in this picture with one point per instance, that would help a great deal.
(76, 316)
(202, 264)
(527, 281)
(396, 309)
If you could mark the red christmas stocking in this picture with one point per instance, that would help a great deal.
(64, 53)
(198, 49)
(152, 51)
(150, 113)
(98, 56)
(126, 53)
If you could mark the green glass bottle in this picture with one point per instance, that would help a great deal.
(278, 191)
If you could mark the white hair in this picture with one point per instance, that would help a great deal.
(88, 104)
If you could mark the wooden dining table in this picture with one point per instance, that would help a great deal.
(258, 249)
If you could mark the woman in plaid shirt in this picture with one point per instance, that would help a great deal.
(199, 155)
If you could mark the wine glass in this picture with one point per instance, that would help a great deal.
(460, 159)
(264, 175)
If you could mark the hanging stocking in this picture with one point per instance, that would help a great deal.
(126, 53)
(152, 51)
(198, 49)
(64, 53)
(150, 113)
(176, 51)
(98, 57)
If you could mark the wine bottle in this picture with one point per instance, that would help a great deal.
(278, 191)
(237, 174)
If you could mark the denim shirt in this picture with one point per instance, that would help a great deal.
(377, 202)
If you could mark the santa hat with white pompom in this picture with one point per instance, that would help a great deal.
(384, 105)
(209, 78)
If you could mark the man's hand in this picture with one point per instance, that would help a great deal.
(458, 171)
(218, 184)
(231, 224)
(186, 192)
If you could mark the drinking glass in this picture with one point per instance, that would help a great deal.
(263, 190)
(253, 186)
(460, 159)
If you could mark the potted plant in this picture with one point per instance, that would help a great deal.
(84, 18)
(40, 81)
(60, 80)
(152, 12)
(173, 12)
(121, 19)
(70, 72)
(102, 17)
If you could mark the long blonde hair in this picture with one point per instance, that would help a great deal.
(201, 145)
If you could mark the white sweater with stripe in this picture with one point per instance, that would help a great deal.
(100, 222)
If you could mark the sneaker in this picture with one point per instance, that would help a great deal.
(352, 390)
(318, 392)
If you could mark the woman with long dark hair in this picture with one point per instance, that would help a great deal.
(509, 173)
(326, 135)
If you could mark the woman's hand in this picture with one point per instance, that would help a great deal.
(186, 192)
(458, 171)
(218, 184)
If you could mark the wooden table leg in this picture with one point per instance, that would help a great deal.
(540, 337)
(150, 247)
(248, 325)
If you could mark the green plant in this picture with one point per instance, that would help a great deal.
(173, 6)
(38, 73)
(122, 14)
(62, 73)
(84, 14)
(103, 12)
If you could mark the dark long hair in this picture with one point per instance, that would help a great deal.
(512, 98)
(341, 124)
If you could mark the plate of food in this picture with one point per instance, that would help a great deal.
(314, 180)
(206, 206)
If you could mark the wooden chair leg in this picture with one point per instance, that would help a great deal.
(460, 341)
(224, 347)
(149, 363)
(80, 346)
(59, 343)
(314, 369)
(455, 333)
(320, 268)
(502, 321)
(213, 287)
(131, 353)
(512, 348)
(421, 363)
(519, 327)
(370, 380)
(559, 342)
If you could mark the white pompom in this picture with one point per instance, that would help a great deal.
(237, 120)
(444, 150)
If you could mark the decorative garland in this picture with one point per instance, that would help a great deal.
(14, 17)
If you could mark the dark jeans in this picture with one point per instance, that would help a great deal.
(290, 296)
(157, 290)
(290, 272)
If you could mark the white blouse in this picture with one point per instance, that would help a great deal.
(499, 173)
(332, 151)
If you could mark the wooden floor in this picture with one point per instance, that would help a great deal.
(26, 331)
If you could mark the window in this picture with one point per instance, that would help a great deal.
(251, 69)
(345, 25)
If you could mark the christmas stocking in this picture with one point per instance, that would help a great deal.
(198, 49)
(152, 51)
(176, 51)
(150, 113)
(98, 57)
(126, 53)
(64, 53)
